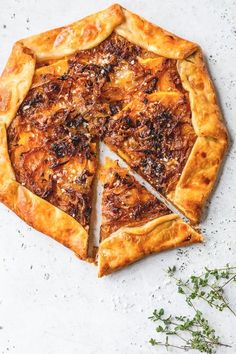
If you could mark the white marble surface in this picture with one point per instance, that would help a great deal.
(52, 303)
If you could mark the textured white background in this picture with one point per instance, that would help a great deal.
(52, 303)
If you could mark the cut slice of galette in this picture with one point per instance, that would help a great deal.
(134, 222)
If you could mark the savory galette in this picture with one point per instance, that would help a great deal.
(111, 77)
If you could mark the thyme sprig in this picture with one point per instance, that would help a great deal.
(209, 286)
(193, 333)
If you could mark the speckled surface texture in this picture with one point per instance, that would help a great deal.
(52, 303)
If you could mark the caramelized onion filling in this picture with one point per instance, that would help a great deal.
(75, 101)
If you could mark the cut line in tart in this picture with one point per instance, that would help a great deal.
(111, 77)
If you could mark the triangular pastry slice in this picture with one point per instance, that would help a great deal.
(134, 222)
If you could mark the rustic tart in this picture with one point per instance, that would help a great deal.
(111, 77)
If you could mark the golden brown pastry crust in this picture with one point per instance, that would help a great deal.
(200, 172)
(36, 211)
(193, 187)
(153, 38)
(15, 81)
(206, 115)
(83, 34)
(198, 177)
(129, 244)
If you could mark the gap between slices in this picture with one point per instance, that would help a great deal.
(134, 222)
